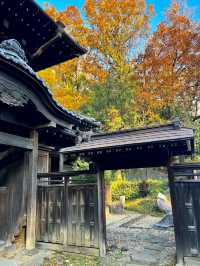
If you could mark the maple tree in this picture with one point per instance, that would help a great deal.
(67, 81)
(168, 70)
(115, 85)
(114, 29)
(109, 31)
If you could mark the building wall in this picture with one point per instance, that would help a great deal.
(12, 199)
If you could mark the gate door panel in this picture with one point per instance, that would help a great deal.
(49, 213)
(83, 216)
(186, 190)
(68, 212)
(188, 200)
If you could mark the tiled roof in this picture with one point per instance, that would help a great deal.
(12, 51)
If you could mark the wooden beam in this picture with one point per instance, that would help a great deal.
(44, 147)
(67, 248)
(32, 159)
(101, 213)
(16, 141)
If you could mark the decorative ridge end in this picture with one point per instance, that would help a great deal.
(13, 47)
(176, 123)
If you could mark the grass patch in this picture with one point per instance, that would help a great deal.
(145, 205)
(134, 202)
(65, 259)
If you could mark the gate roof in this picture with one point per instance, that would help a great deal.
(123, 149)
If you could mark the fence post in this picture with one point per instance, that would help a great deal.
(176, 218)
(101, 212)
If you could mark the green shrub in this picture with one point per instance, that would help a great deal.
(145, 205)
(130, 188)
(157, 185)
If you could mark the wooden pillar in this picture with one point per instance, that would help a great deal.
(101, 212)
(32, 159)
(65, 201)
(176, 217)
(61, 162)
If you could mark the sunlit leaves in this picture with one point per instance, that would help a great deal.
(169, 69)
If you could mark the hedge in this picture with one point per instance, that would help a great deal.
(130, 188)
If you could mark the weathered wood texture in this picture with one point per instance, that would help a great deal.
(68, 213)
(83, 216)
(49, 213)
(185, 187)
(16, 141)
(101, 213)
(12, 198)
(43, 161)
(32, 159)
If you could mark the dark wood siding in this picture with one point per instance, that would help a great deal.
(83, 216)
(49, 213)
(12, 199)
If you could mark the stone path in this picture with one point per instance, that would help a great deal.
(133, 242)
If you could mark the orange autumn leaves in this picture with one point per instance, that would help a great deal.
(108, 30)
(162, 81)
(169, 68)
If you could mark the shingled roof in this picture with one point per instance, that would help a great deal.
(125, 138)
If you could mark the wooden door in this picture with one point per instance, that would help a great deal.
(68, 213)
(50, 205)
(83, 216)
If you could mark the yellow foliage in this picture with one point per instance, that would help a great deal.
(114, 120)
(70, 99)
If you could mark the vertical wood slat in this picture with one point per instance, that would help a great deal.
(187, 195)
(176, 217)
(185, 204)
(101, 213)
(32, 192)
(64, 206)
(61, 162)
(50, 214)
(3, 212)
(78, 216)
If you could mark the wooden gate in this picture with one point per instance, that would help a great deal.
(50, 208)
(68, 216)
(185, 193)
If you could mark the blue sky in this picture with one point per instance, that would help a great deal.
(159, 5)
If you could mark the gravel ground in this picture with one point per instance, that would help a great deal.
(132, 241)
